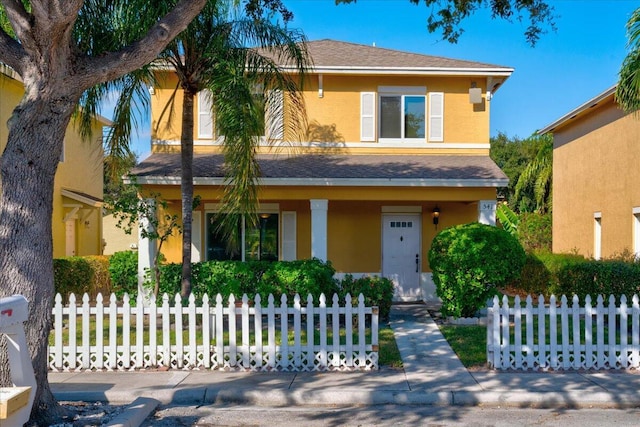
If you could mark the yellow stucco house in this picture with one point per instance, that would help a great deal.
(397, 147)
(596, 196)
(77, 199)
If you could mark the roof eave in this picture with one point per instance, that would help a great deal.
(578, 110)
(338, 182)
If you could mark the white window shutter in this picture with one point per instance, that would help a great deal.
(196, 236)
(289, 236)
(205, 115)
(436, 116)
(274, 115)
(367, 116)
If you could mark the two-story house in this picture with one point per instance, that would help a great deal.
(596, 197)
(397, 147)
(77, 199)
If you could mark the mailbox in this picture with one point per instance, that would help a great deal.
(16, 401)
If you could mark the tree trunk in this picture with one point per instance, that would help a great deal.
(28, 167)
(186, 186)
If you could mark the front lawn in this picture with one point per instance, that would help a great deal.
(469, 342)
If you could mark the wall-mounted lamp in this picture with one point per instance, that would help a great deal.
(436, 216)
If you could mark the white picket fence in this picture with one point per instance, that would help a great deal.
(551, 336)
(226, 335)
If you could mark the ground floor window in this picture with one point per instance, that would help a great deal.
(252, 243)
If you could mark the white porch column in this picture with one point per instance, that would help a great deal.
(146, 250)
(487, 212)
(319, 209)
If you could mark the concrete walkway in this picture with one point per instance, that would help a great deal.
(432, 375)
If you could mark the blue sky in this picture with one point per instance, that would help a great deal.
(566, 68)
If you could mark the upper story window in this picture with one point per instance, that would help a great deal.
(205, 115)
(271, 105)
(402, 114)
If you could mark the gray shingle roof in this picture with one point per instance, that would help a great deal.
(332, 53)
(325, 166)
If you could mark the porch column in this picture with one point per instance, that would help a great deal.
(146, 249)
(319, 209)
(487, 212)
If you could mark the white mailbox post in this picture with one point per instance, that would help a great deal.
(16, 401)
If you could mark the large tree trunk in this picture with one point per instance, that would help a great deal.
(28, 167)
(186, 185)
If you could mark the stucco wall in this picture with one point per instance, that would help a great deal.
(595, 163)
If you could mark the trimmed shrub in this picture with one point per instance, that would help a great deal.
(236, 277)
(377, 291)
(469, 261)
(123, 271)
(101, 280)
(599, 278)
(302, 277)
(72, 275)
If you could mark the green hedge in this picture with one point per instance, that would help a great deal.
(567, 274)
(72, 275)
(541, 272)
(599, 278)
(377, 291)
(118, 274)
(123, 271)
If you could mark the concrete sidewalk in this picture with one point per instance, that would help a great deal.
(432, 375)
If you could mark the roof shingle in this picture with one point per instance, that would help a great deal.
(324, 166)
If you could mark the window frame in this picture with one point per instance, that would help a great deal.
(268, 208)
(403, 92)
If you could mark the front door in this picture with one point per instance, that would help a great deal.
(401, 254)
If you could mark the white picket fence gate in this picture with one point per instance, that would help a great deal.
(552, 336)
(226, 335)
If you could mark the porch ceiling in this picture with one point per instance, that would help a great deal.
(318, 169)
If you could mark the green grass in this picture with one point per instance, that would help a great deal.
(388, 354)
(469, 342)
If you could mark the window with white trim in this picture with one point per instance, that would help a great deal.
(636, 232)
(401, 114)
(272, 105)
(205, 115)
(597, 235)
(260, 242)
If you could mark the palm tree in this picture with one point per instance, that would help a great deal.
(533, 189)
(628, 90)
(236, 57)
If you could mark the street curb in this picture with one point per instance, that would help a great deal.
(135, 413)
(337, 397)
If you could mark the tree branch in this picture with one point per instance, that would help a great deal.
(95, 70)
(19, 18)
(11, 52)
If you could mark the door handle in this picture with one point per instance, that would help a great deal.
(417, 263)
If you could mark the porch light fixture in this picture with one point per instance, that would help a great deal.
(436, 216)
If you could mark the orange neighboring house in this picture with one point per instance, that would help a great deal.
(78, 191)
(397, 148)
(596, 196)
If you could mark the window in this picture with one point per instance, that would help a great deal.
(205, 115)
(271, 105)
(253, 243)
(636, 232)
(402, 114)
(597, 235)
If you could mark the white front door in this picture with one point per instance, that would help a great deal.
(401, 258)
(70, 237)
